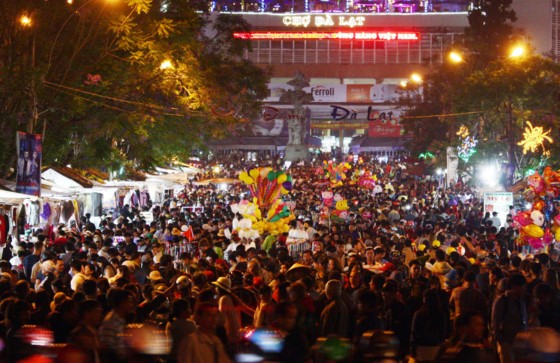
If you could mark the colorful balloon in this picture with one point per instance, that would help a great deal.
(532, 230)
(282, 178)
(538, 204)
(523, 218)
(537, 217)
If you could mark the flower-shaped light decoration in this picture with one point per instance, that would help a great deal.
(533, 138)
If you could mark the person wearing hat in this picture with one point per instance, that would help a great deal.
(229, 309)
(155, 277)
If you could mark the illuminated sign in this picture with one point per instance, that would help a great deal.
(359, 35)
(323, 20)
(339, 125)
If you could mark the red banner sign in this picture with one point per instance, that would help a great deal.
(377, 129)
(345, 35)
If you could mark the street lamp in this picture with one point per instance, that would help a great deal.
(166, 64)
(25, 21)
(455, 57)
(416, 78)
(517, 51)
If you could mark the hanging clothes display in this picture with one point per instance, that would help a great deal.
(76, 211)
(3, 230)
(144, 199)
(55, 214)
(33, 208)
(46, 214)
(67, 211)
(21, 220)
(120, 196)
(96, 204)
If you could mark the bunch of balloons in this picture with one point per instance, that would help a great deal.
(538, 226)
(367, 180)
(335, 173)
(271, 214)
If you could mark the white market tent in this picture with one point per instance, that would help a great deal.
(13, 198)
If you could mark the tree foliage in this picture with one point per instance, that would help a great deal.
(485, 92)
(93, 68)
(490, 30)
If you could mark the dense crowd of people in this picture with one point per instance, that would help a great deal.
(422, 263)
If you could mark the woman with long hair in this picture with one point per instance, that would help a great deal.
(428, 328)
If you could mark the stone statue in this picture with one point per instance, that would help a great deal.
(296, 148)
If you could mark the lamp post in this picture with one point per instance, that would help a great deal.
(26, 22)
(516, 54)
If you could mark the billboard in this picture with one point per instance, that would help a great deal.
(498, 202)
(380, 121)
(339, 93)
(30, 153)
(384, 124)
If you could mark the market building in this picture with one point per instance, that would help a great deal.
(357, 57)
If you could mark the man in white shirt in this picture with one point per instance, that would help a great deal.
(78, 276)
(232, 247)
(495, 220)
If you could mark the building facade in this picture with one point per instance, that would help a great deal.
(358, 55)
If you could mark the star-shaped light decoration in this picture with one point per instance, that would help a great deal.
(463, 131)
(533, 138)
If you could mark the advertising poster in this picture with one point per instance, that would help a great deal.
(384, 123)
(367, 93)
(338, 93)
(30, 153)
(498, 202)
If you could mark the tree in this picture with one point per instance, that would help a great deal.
(490, 31)
(134, 83)
(486, 90)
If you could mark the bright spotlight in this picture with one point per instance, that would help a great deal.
(489, 175)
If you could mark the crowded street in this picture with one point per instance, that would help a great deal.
(280, 181)
(393, 269)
